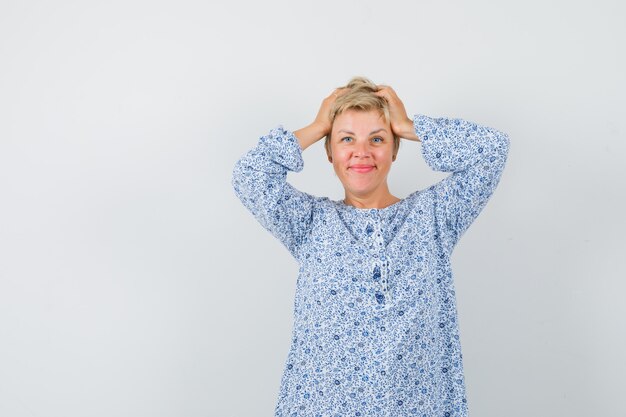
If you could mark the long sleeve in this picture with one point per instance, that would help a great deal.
(476, 156)
(260, 182)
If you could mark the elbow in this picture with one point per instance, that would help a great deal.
(235, 175)
(503, 143)
(502, 149)
(238, 179)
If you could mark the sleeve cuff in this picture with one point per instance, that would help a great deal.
(284, 148)
(423, 126)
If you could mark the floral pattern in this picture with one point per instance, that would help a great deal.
(375, 329)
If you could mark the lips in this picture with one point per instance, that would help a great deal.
(362, 168)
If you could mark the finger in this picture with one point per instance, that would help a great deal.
(390, 91)
(383, 94)
(337, 92)
(387, 94)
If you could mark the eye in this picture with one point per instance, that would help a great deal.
(346, 139)
(378, 139)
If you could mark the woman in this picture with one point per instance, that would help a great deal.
(375, 324)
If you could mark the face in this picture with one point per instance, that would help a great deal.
(361, 147)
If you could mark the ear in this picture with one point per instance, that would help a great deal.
(328, 151)
(393, 158)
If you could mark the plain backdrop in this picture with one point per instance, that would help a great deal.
(134, 283)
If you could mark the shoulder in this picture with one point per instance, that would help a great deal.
(324, 204)
(418, 196)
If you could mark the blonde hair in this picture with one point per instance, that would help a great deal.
(360, 97)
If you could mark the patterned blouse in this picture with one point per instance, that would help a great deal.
(375, 329)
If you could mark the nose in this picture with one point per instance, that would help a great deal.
(362, 149)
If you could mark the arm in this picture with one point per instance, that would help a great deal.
(260, 182)
(321, 125)
(476, 156)
(309, 135)
(260, 179)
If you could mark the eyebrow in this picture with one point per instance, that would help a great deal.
(371, 133)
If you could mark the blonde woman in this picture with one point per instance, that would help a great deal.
(375, 323)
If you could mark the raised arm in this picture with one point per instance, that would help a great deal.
(321, 125)
(476, 156)
(260, 181)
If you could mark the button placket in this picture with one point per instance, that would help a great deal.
(380, 267)
(384, 281)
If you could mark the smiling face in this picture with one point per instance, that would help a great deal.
(362, 148)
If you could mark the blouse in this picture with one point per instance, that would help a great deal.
(375, 330)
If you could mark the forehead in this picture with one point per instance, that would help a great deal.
(360, 121)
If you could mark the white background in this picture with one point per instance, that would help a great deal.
(134, 283)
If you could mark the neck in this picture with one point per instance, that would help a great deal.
(380, 200)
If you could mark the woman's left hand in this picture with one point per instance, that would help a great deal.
(400, 123)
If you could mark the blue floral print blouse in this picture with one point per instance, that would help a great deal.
(375, 330)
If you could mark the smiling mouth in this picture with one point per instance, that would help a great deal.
(362, 168)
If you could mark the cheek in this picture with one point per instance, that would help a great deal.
(385, 154)
(340, 154)
(340, 162)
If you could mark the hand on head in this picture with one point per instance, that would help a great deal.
(323, 115)
(321, 126)
(400, 122)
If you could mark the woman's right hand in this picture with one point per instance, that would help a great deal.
(323, 116)
(321, 125)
